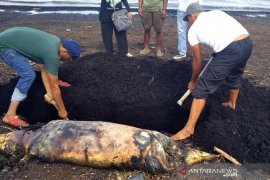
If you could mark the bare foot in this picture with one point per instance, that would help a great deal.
(181, 135)
(8, 116)
(229, 105)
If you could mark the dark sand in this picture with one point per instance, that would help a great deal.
(142, 92)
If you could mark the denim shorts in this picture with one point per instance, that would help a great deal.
(226, 66)
(20, 64)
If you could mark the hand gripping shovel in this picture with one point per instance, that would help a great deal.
(49, 100)
(187, 93)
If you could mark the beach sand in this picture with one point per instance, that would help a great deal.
(86, 29)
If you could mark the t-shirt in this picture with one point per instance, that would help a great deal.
(38, 46)
(215, 29)
(152, 5)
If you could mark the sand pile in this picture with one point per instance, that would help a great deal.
(144, 93)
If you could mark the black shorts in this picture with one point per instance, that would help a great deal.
(227, 65)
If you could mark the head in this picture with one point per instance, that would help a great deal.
(153, 146)
(69, 49)
(192, 12)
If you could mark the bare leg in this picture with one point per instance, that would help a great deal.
(159, 41)
(195, 112)
(233, 98)
(12, 110)
(146, 39)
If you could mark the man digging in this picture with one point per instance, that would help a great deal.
(232, 46)
(19, 44)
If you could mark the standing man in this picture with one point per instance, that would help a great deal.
(232, 46)
(182, 28)
(152, 13)
(19, 44)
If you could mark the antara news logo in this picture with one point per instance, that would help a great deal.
(225, 172)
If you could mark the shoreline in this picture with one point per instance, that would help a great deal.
(54, 9)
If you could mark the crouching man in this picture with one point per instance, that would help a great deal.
(19, 44)
(232, 46)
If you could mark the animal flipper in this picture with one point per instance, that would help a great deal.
(196, 156)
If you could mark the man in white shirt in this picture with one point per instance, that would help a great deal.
(182, 28)
(232, 46)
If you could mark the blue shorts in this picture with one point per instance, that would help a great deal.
(226, 66)
(20, 64)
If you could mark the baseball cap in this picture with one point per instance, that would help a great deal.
(72, 46)
(192, 8)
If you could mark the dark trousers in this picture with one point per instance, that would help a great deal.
(227, 66)
(107, 29)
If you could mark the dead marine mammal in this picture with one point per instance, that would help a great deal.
(96, 144)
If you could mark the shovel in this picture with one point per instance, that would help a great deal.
(187, 93)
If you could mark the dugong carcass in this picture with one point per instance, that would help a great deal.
(97, 144)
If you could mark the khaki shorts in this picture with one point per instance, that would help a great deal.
(154, 19)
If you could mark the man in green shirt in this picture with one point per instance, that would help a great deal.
(19, 44)
(152, 13)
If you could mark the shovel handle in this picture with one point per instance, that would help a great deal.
(184, 97)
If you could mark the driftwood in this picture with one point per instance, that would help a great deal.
(227, 156)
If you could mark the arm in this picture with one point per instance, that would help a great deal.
(125, 2)
(56, 94)
(140, 11)
(196, 65)
(45, 80)
(164, 8)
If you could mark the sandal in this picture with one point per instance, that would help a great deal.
(16, 121)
